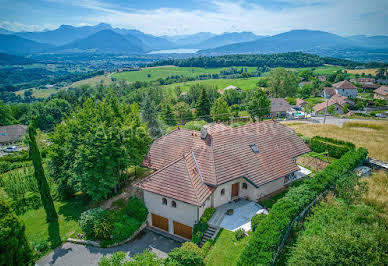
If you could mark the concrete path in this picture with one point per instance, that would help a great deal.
(70, 254)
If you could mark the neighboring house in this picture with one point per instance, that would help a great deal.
(305, 83)
(337, 101)
(279, 107)
(345, 88)
(230, 87)
(321, 78)
(196, 170)
(328, 92)
(300, 103)
(381, 93)
(360, 80)
(12, 134)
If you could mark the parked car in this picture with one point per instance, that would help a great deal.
(381, 115)
(10, 149)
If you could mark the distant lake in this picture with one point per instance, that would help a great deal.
(175, 51)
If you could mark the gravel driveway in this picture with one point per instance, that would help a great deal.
(74, 255)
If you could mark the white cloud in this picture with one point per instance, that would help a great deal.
(343, 17)
(16, 26)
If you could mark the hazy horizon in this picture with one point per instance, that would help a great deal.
(343, 17)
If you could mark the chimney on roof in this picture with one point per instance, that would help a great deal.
(204, 131)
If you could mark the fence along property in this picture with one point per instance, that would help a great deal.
(267, 239)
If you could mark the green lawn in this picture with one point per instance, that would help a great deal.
(244, 84)
(41, 233)
(226, 249)
(164, 72)
(314, 100)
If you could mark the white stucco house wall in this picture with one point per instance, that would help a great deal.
(194, 171)
(345, 88)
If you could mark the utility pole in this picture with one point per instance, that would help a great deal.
(324, 119)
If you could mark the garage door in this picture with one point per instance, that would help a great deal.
(182, 230)
(159, 222)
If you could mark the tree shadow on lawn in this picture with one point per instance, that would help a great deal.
(54, 235)
(71, 209)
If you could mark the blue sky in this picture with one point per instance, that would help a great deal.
(171, 17)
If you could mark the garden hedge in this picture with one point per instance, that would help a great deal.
(263, 244)
(201, 227)
(336, 148)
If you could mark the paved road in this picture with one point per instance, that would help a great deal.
(70, 254)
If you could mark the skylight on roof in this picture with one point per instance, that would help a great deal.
(254, 148)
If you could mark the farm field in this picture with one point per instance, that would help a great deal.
(154, 73)
(93, 81)
(39, 93)
(370, 135)
(367, 71)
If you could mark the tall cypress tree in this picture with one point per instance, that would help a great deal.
(47, 201)
(203, 105)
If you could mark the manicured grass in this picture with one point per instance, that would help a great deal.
(268, 203)
(244, 84)
(164, 72)
(314, 100)
(372, 135)
(226, 249)
(38, 231)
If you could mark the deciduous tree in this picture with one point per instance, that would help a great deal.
(220, 110)
(282, 83)
(259, 105)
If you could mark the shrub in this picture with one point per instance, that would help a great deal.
(268, 234)
(207, 214)
(136, 209)
(239, 234)
(336, 148)
(14, 246)
(195, 125)
(190, 246)
(206, 248)
(125, 228)
(32, 200)
(103, 226)
(256, 220)
(179, 256)
(197, 237)
(88, 219)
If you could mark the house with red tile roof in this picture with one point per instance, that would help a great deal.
(196, 170)
(300, 103)
(381, 93)
(279, 107)
(337, 101)
(345, 88)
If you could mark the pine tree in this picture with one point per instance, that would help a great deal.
(150, 116)
(203, 105)
(168, 115)
(47, 201)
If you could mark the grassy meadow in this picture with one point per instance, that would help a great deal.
(154, 73)
(367, 134)
(244, 84)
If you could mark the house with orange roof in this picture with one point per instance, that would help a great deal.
(215, 167)
(381, 93)
(345, 88)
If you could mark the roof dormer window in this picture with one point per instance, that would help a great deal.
(254, 148)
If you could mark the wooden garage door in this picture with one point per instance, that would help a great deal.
(183, 230)
(159, 222)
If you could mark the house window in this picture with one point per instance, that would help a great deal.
(245, 186)
(222, 191)
(173, 204)
(164, 201)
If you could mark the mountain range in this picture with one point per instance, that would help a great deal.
(103, 38)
